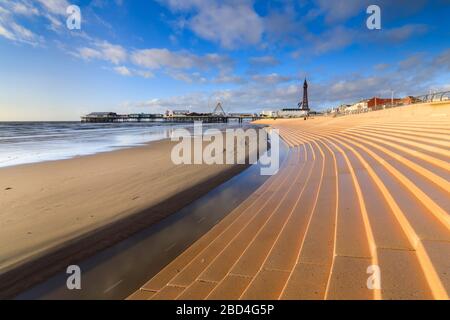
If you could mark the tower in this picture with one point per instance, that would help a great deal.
(305, 106)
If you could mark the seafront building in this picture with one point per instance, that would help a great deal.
(172, 113)
(360, 106)
(269, 113)
(372, 104)
(291, 113)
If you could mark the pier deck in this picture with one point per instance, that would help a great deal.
(354, 192)
(111, 117)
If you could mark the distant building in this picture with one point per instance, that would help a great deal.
(172, 113)
(374, 103)
(292, 113)
(102, 114)
(358, 107)
(101, 117)
(410, 100)
(268, 113)
(377, 102)
(342, 108)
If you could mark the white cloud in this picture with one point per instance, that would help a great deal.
(273, 78)
(55, 6)
(234, 24)
(89, 53)
(187, 77)
(23, 32)
(180, 65)
(25, 9)
(159, 58)
(127, 72)
(113, 53)
(332, 39)
(285, 25)
(12, 30)
(6, 33)
(341, 11)
(338, 11)
(442, 61)
(381, 66)
(10, 12)
(405, 32)
(55, 22)
(231, 26)
(103, 50)
(122, 70)
(55, 11)
(264, 61)
(228, 78)
(180, 5)
(230, 23)
(164, 58)
(193, 101)
(266, 92)
(144, 73)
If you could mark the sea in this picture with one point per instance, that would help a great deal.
(30, 142)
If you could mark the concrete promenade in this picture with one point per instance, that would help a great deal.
(354, 191)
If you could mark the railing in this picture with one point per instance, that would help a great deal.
(427, 98)
(433, 97)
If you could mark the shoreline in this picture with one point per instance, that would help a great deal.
(59, 194)
(76, 139)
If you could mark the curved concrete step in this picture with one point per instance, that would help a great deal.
(355, 192)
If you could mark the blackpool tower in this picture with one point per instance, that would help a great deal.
(304, 105)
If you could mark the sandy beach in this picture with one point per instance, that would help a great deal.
(54, 213)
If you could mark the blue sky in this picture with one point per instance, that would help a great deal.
(150, 56)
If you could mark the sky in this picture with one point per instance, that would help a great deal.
(132, 56)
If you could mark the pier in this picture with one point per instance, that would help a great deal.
(111, 117)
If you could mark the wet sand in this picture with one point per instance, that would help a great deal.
(55, 213)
